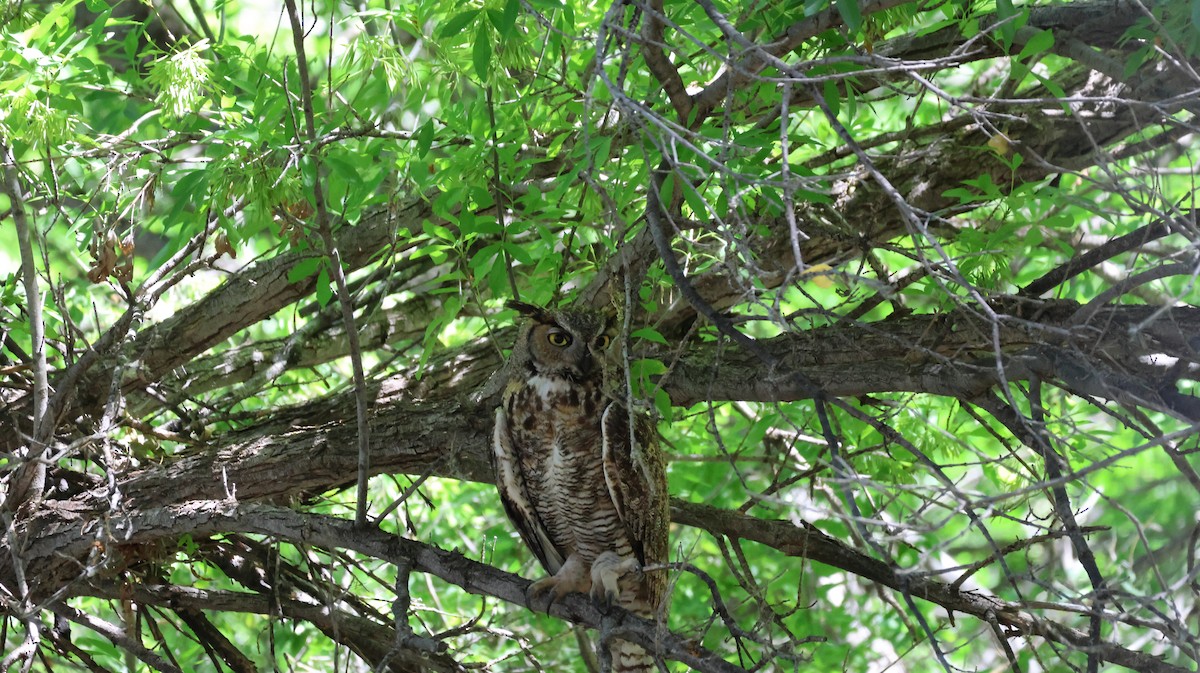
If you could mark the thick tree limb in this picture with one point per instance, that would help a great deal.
(199, 518)
(304, 450)
(212, 638)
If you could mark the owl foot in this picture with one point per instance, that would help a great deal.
(607, 569)
(572, 576)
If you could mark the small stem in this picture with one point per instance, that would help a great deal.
(30, 479)
(335, 270)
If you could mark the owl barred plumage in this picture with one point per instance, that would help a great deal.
(589, 503)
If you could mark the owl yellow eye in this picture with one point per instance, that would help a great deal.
(602, 341)
(560, 339)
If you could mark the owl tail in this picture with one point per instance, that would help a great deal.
(630, 658)
(625, 656)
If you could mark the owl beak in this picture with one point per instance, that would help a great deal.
(587, 363)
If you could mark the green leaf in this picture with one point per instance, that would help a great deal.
(438, 231)
(485, 256)
(497, 278)
(518, 252)
(100, 25)
(644, 369)
(508, 20)
(963, 195)
(1012, 21)
(342, 166)
(481, 53)
(695, 201)
(324, 287)
(1056, 89)
(833, 96)
(600, 148)
(662, 402)
(811, 197)
(667, 193)
(457, 23)
(649, 334)
(1039, 43)
(505, 19)
(303, 269)
(53, 18)
(850, 14)
(191, 185)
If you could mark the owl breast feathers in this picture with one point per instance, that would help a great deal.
(588, 497)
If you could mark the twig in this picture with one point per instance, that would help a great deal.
(1066, 515)
(1089, 310)
(1080, 263)
(335, 270)
(117, 636)
(660, 64)
(30, 479)
(405, 638)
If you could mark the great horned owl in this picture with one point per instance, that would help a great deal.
(586, 497)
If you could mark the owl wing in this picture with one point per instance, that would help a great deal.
(637, 483)
(514, 493)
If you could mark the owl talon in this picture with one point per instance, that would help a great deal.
(570, 577)
(538, 589)
(607, 569)
(604, 598)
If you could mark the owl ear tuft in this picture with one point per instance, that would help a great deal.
(610, 322)
(536, 312)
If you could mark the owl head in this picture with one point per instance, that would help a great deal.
(562, 342)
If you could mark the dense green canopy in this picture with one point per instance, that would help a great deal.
(909, 286)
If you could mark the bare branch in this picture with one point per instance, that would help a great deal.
(324, 228)
(366, 637)
(806, 541)
(659, 63)
(1077, 265)
(29, 482)
(209, 517)
(118, 637)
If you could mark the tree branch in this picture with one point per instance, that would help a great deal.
(1121, 244)
(659, 63)
(434, 428)
(325, 229)
(806, 541)
(117, 636)
(29, 482)
(199, 518)
(365, 637)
